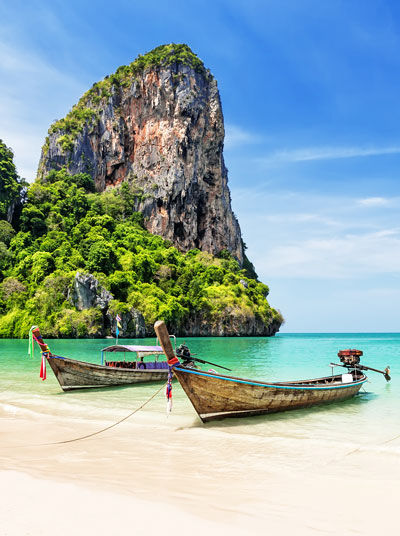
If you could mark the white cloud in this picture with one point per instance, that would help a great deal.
(373, 201)
(26, 144)
(236, 136)
(24, 66)
(349, 256)
(295, 235)
(325, 153)
(32, 94)
(302, 218)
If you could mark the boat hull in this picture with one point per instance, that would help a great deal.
(216, 396)
(72, 374)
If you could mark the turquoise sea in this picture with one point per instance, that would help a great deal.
(331, 469)
(370, 419)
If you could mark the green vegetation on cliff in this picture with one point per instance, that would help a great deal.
(66, 227)
(10, 183)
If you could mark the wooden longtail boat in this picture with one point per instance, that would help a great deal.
(72, 374)
(216, 396)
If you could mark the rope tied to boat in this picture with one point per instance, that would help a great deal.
(111, 425)
(98, 431)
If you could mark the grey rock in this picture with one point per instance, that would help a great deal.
(86, 292)
(230, 324)
(132, 324)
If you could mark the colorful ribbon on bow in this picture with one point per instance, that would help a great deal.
(35, 335)
(31, 343)
(171, 363)
(43, 367)
(169, 391)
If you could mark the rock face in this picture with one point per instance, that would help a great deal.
(133, 325)
(86, 293)
(158, 125)
(231, 324)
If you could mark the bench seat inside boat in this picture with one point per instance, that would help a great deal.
(148, 365)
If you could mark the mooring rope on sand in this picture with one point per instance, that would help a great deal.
(111, 425)
(390, 440)
(98, 431)
(361, 447)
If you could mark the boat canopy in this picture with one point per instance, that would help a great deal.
(134, 348)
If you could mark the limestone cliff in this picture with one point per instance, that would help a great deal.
(156, 124)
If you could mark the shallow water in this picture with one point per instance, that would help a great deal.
(371, 419)
(293, 469)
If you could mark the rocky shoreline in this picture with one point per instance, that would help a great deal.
(86, 293)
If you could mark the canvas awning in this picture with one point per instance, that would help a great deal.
(134, 348)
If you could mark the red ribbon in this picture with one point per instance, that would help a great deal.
(43, 368)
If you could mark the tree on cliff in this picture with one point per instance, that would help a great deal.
(10, 183)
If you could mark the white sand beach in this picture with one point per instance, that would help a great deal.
(152, 474)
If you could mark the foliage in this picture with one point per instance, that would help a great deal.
(10, 183)
(6, 232)
(65, 227)
(165, 55)
(101, 257)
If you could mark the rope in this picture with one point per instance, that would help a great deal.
(107, 427)
(381, 443)
(99, 431)
(389, 440)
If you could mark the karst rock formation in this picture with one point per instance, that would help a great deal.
(156, 124)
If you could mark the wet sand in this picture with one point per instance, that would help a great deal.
(152, 474)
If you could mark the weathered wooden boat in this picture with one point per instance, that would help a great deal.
(216, 396)
(72, 374)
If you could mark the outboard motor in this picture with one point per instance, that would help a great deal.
(183, 352)
(184, 355)
(350, 357)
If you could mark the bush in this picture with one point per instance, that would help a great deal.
(6, 232)
(42, 264)
(10, 183)
(101, 258)
(33, 220)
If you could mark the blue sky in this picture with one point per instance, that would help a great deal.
(310, 93)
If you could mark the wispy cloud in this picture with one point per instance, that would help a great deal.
(33, 92)
(236, 136)
(308, 154)
(341, 257)
(295, 235)
(373, 202)
(299, 218)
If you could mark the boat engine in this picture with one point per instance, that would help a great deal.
(350, 357)
(183, 353)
